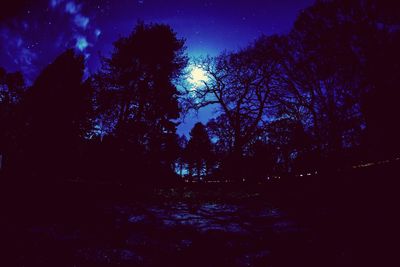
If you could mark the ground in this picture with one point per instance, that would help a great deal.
(325, 221)
(184, 230)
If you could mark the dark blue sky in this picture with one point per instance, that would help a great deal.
(33, 33)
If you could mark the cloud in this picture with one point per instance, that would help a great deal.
(29, 41)
(81, 21)
(55, 3)
(18, 53)
(25, 25)
(19, 42)
(81, 43)
(26, 60)
(71, 8)
(97, 32)
(25, 57)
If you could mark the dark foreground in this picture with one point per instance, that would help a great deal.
(334, 220)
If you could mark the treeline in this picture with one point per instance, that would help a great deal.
(117, 124)
(321, 97)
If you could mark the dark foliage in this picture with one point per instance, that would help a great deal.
(199, 152)
(322, 97)
(12, 88)
(57, 118)
(137, 101)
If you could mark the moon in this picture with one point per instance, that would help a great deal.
(197, 76)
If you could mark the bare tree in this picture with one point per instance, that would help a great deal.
(242, 85)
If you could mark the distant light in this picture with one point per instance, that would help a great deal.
(301, 175)
(364, 165)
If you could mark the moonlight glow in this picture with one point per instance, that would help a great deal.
(197, 76)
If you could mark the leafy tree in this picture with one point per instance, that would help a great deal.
(58, 109)
(262, 161)
(182, 144)
(136, 97)
(342, 76)
(380, 79)
(289, 140)
(324, 75)
(199, 151)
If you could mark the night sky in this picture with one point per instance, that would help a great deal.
(33, 33)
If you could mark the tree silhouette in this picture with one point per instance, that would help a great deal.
(242, 84)
(199, 152)
(136, 96)
(380, 78)
(289, 141)
(337, 72)
(182, 144)
(58, 110)
(262, 161)
(12, 88)
(323, 75)
(223, 134)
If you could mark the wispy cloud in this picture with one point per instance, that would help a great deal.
(35, 38)
(71, 8)
(97, 32)
(55, 3)
(81, 21)
(23, 57)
